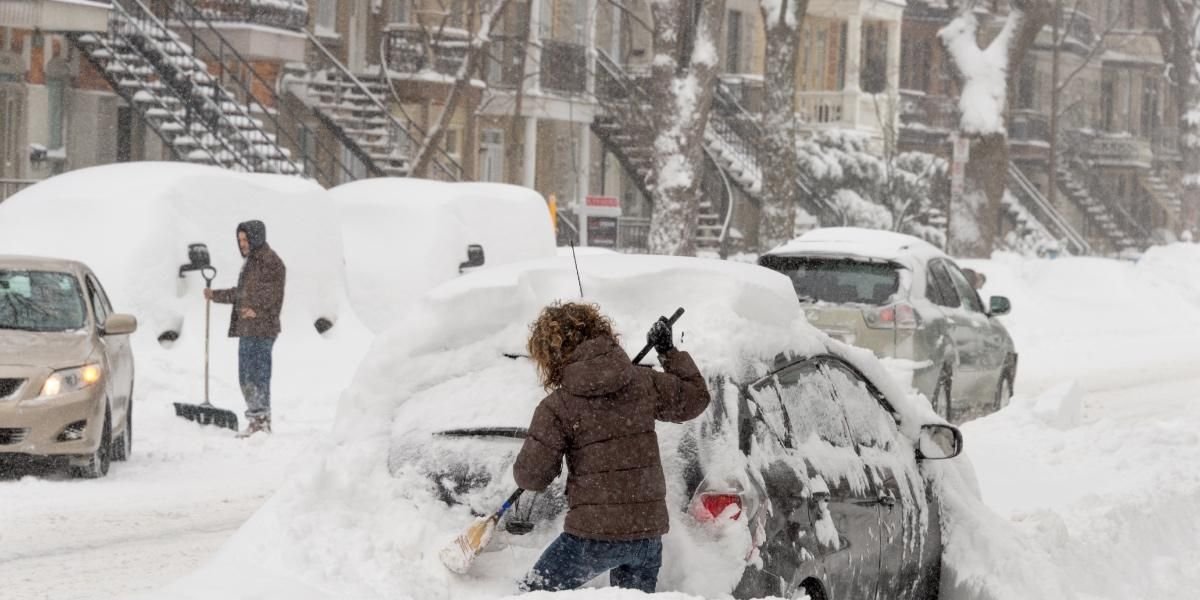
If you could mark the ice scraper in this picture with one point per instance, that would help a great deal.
(204, 413)
(460, 553)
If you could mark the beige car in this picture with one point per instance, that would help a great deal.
(66, 368)
(905, 299)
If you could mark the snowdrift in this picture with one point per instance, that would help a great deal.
(404, 236)
(132, 223)
(347, 527)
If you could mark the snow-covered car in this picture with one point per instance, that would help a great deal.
(903, 298)
(804, 474)
(66, 368)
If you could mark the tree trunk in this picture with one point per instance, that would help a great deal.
(778, 160)
(516, 128)
(1178, 39)
(986, 171)
(685, 70)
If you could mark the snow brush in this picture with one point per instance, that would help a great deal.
(460, 553)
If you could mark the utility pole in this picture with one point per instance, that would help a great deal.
(1055, 40)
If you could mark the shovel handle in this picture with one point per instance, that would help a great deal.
(508, 503)
(671, 321)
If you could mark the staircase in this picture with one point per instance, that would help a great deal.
(198, 119)
(353, 108)
(626, 131)
(1113, 223)
(1036, 218)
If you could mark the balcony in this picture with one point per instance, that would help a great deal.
(849, 109)
(1112, 149)
(1029, 135)
(55, 15)
(408, 53)
(259, 30)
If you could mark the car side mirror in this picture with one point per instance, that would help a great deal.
(120, 325)
(474, 258)
(999, 305)
(939, 442)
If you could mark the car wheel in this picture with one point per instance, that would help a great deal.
(123, 445)
(98, 461)
(1004, 391)
(942, 393)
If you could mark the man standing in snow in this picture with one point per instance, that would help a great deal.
(257, 301)
(600, 415)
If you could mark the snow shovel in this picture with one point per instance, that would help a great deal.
(460, 553)
(205, 413)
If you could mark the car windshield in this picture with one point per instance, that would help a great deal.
(838, 280)
(40, 301)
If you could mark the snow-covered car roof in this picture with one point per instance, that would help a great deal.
(404, 236)
(861, 243)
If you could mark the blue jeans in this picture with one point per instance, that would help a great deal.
(572, 561)
(254, 374)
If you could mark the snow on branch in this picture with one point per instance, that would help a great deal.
(984, 71)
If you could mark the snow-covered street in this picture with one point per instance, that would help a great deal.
(1090, 471)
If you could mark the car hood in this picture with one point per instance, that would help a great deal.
(44, 349)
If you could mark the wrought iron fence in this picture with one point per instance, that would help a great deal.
(633, 234)
(409, 49)
(284, 14)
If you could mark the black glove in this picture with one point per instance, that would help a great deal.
(660, 336)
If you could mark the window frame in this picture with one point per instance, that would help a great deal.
(932, 269)
(967, 293)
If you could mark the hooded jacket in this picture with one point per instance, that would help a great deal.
(260, 287)
(602, 420)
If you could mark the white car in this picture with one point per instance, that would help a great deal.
(903, 298)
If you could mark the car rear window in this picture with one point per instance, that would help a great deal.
(40, 301)
(837, 280)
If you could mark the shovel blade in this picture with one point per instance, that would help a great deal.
(207, 415)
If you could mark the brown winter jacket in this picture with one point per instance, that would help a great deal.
(602, 419)
(260, 287)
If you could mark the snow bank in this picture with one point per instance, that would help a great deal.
(1102, 323)
(346, 526)
(131, 223)
(404, 236)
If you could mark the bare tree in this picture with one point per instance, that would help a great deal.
(988, 76)
(777, 220)
(488, 13)
(1178, 28)
(684, 75)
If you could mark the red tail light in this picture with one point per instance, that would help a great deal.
(714, 505)
(896, 316)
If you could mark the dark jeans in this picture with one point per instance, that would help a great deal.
(572, 561)
(254, 374)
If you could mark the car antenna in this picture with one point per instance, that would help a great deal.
(578, 278)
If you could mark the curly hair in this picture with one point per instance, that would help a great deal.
(558, 331)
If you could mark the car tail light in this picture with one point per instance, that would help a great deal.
(894, 316)
(714, 505)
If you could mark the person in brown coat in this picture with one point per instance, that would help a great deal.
(257, 301)
(600, 416)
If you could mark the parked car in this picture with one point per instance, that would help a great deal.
(903, 298)
(66, 368)
(798, 445)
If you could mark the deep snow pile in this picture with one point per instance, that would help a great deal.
(404, 236)
(131, 224)
(1095, 460)
(347, 527)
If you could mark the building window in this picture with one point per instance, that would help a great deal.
(873, 79)
(452, 142)
(1027, 86)
(55, 111)
(492, 154)
(1108, 100)
(917, 51)
(733, 42)
(398, 11)
(1150, 107)
(327, 16)
(1131, 14)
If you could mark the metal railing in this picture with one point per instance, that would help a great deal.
(443, 164)
(250, 85)
(633, 234)
(282, 14)
(407, 49)
(1045, 213)
(9, 187)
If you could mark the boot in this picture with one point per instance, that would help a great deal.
(264, 424)
(253, 426)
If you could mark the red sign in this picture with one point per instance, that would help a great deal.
(603, 201)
